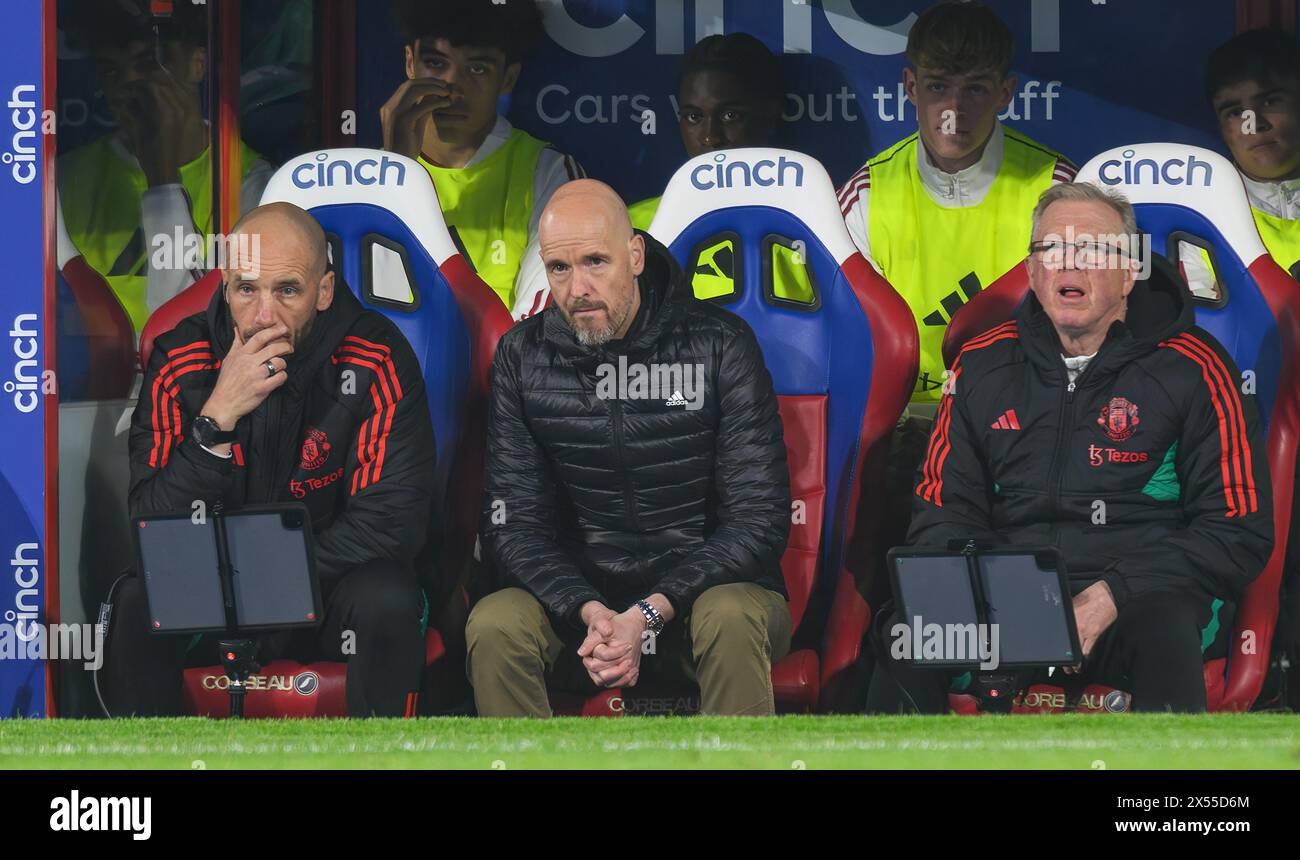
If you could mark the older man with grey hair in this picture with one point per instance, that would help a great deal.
(1104, 422)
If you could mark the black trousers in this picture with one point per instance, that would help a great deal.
(1152, 650)
(371, 621)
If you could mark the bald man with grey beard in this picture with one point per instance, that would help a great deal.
(286, 389)
(631, 530)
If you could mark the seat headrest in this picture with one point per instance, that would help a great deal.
(769, 183)
(360, 178)
(1174, 174)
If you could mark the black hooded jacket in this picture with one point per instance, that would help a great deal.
(1149, 472)
(598, 491)
(348, 434)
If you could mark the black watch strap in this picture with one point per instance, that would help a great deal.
(207, 432)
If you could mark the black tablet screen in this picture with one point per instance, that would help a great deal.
(270, 567)
(936, 590)
(181, 578)
(1025, 601)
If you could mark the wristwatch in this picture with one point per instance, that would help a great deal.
(208, 432)
(654, 622)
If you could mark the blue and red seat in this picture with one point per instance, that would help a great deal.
(390, 246)
(842, 350)
(1256, 317)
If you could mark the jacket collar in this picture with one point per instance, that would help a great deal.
(1159, 307)
(966, 187)
(1279, 199)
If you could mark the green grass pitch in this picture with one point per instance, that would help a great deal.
(1228, 741)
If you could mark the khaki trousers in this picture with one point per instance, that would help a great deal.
(735, 633)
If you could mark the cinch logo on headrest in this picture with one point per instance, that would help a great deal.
(738, 173)
(1175, 171)
(325, 173)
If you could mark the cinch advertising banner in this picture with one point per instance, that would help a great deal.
(604, 63)
(23, 572)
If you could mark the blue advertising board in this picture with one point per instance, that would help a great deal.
(23, 404)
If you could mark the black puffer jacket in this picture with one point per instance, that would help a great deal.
(1148, 472)
(596, 497)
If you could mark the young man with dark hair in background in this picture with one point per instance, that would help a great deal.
(493, 180)
(1252, 81)
(120, 193)
(730, 93)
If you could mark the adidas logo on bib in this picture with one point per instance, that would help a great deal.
(675, 400)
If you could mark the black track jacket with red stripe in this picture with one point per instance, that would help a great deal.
(1149, 472)
(348, 434)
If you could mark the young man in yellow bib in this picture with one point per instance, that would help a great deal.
(125, 195)
(730, 93)
(944, 213)
(941, 213)
(493, 180)
(1253, 83)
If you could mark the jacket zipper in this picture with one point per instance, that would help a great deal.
(616, 411)
(1056, 476)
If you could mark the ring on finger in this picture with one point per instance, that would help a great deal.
(270, 368)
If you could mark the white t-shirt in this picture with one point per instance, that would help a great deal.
(1076, 364)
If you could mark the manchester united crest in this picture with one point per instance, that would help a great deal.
(1119, 418)
(315, 449)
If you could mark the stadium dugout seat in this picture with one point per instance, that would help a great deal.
(842, 349)
(389, 245)
(1256, 317)
(96, 343)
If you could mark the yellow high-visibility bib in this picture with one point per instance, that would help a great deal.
(100, 193)
(1282, 239)
(938, 258)
(490, 205)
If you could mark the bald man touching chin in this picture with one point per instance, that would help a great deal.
(637, 497)
(285, 389)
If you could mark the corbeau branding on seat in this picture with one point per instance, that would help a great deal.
(766, 172)
(325, 173)
(304, 683)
